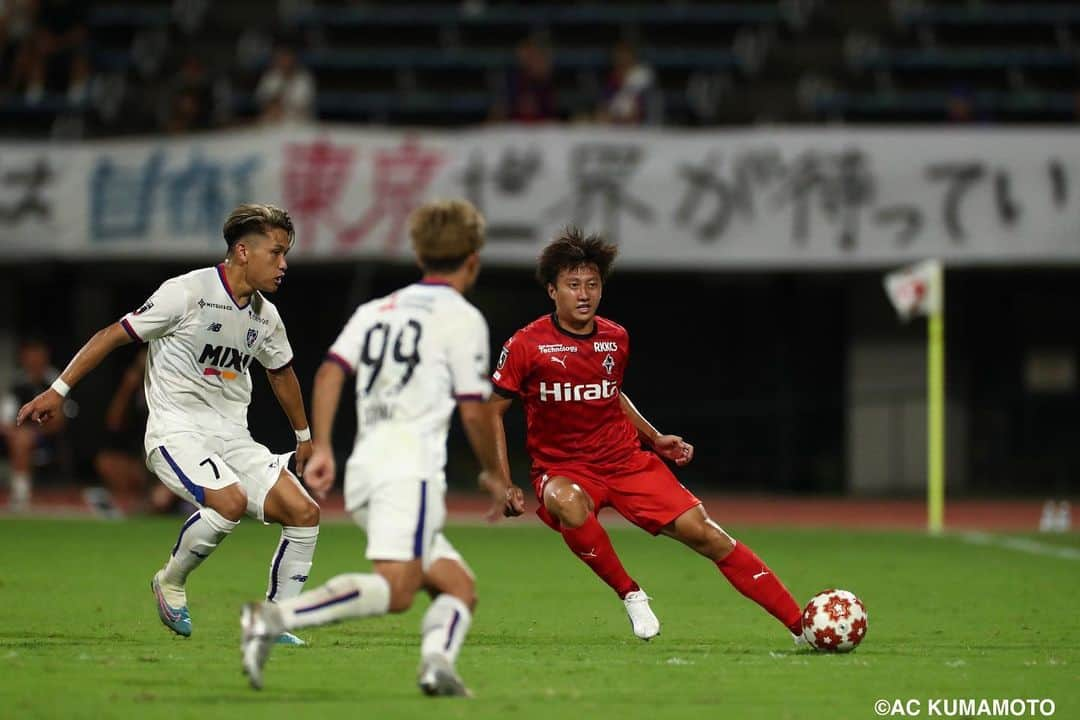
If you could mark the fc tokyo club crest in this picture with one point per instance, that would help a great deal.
(252, 334)
(609, 363)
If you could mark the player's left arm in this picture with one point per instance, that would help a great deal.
(672, 447)
(287, 391)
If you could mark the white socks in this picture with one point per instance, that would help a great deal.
(199, 536)
(20, 489)
(444, 627)
(352, 595)
(291, 563)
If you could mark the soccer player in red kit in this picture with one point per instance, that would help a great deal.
(585, 440)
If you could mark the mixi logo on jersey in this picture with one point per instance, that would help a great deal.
(225, 362)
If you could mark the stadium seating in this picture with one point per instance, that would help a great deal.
(446, 63)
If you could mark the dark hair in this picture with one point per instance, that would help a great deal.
(571, 249)
(256, 219)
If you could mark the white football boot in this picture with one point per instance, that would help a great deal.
(438, 678)
(260, 627)
(646, 625)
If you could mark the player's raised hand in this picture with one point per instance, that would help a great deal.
(674, 448)
(507, 499)
(319, 471)
(41, 409)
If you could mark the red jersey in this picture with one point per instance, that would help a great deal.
(569, 385)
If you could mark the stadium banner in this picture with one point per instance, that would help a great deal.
(768, 198)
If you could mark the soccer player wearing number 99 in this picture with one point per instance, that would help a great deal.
(584, 436)
(416, 354)
(204, 329)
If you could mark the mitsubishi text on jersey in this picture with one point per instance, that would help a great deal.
(202, 343)
(569, 385)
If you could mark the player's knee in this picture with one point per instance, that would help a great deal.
(569, 504)
(401, 597)
(230, 502)
(305, 515)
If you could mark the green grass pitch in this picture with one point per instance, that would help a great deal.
(79, 637)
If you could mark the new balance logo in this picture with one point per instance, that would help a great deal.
(299, 578)
(213, 327)
(590, 554)
(761, 574)
(560, 360)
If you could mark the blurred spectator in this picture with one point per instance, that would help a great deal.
(530, 92)
(629, 95)
(16, 28)
(120, 463)
(187, 103)
(59, 50)
(28, 445)
(286, 91)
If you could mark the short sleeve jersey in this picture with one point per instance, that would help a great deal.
(569, 385)
(415, 353)
(202, 343)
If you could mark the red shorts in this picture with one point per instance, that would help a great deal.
(644, 491)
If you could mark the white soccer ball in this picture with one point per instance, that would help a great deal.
(834, 621)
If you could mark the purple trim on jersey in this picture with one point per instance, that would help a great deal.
(130, 330)
(576, 336)
(335, 358)
(332, 601)
(274, 570)
(435, 283)
(228, 290)
(453, 626)
(477, 397)
(190, 521)
(418, 538)
(197, 491)
(283, 367)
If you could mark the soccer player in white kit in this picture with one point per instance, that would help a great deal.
(204, 329)
(416, 354)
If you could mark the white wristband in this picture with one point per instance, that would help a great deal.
(60, 387)
(303, 435)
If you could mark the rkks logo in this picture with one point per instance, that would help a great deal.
(607, 346)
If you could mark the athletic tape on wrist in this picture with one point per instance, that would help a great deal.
(60, 387)
(303, 435)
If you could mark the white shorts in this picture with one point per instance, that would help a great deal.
(189, 464)
(404, 520)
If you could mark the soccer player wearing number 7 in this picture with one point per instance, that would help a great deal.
(585, 439)
(204, 329)
(417, 354)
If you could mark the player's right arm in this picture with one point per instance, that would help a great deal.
(47, 405)
(507, 498)
(329, 380)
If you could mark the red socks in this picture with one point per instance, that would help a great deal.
(591, 543)
(755, 580)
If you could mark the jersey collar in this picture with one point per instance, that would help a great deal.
(228, 290)
(576, 336)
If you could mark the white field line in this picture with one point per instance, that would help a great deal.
(1020, 545)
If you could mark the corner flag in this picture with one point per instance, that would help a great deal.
(920, 290)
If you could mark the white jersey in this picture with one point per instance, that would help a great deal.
(201, 345)
(416, 353)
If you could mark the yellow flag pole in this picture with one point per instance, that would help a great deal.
(935, 377)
